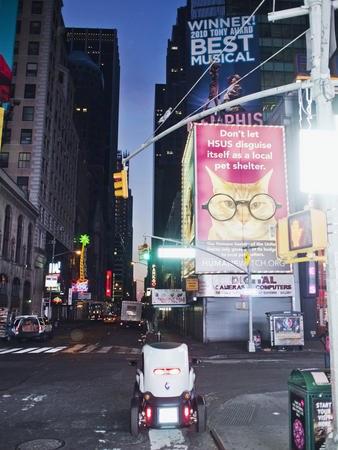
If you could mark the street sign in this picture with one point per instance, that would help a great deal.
(247, 258)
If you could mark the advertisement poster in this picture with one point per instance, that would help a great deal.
(223, 50)
(235, 285)
(298, 434)
(188, 195)
(323, 421)
(8, 13)
(287, 328)
(240, 193)
(168, 297)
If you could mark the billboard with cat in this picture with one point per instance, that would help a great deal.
(240, 193)
(223, 65)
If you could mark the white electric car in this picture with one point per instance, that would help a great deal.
(164, 391)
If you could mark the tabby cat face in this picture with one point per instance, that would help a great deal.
(242, 225)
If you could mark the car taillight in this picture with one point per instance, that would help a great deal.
(186, 413)
(40, 327)
(17, 329)
(173, 371)
(149, 415)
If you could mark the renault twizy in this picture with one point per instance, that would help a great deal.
(164, 391)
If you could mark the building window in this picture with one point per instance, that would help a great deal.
(36, 7)
(33, 48)
(16, 287)
(7, 228)
(31, 70)
(29, 245)
(35, 27)
(29, 91)
(27, 113)
(20, 6)
(4, 160)
(15, 67)
(22, 182)
(16, 47)
(26, 137)
(19, 241)
(18, 27)
(24, 160)
(61, 75)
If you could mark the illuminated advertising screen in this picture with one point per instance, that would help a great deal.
(240, 193)
(223, 54)
(188, 195)
(8, 13)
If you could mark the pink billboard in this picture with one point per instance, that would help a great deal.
(241, 192)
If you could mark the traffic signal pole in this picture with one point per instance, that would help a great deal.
(323, 93)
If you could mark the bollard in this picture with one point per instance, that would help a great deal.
(158, 336)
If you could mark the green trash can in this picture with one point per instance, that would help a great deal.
(310, 408)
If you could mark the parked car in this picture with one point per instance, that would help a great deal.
(32, 327)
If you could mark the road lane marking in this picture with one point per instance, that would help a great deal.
(105, 349)
(26, 350)
(89, 349)
(10, 350)
(75, 348)
(55, 349)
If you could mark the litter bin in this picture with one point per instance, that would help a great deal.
(257, 337)
(310, 408)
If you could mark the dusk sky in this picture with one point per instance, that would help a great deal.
(143, 30)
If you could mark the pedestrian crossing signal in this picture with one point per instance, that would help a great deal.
(121, 184)
(301, 232)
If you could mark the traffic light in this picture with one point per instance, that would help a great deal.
(144, 252)
(301, 232)
(121, 184)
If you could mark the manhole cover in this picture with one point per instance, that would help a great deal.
(41, 444)
(236, 415)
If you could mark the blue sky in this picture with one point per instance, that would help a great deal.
(143, 29)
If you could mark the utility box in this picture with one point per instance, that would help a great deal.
(310, 408)
(286, 329)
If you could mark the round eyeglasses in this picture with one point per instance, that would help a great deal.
(223, 207)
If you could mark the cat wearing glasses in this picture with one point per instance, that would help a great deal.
(241, 210)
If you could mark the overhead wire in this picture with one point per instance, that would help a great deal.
(208, 68)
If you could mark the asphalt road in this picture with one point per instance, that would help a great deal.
(74, 391)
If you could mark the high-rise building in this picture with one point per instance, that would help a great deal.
(94, 64)
(40, 138)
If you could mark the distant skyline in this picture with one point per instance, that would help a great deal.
(143, 31)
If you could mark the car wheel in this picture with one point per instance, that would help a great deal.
(136, 393)
(201, 423)
(134, 416)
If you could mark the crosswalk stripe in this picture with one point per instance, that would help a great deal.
(40, 350)
(105, 349)
(9, 350)
(55, 349)
(89, 349)
(74, 349)
(94, 348)
(26, 350)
